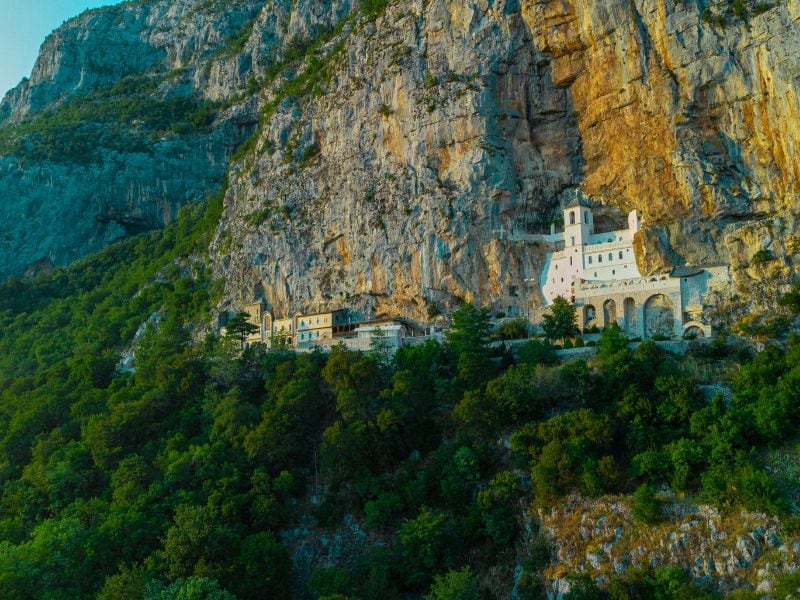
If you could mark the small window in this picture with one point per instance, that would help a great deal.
(586, 216)
(610, 256)
(573, 241)
(590, 260)
(570, 261)
(595, 275)
(599, 258)
(562, 280)
(613, 271)
(556, 267)
(572, 218)
(620, 254)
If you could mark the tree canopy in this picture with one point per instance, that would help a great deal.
(559, 323)
(191, 470)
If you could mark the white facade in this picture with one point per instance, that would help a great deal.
(598, 273)
(587, 256)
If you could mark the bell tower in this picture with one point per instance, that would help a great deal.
(578, 222)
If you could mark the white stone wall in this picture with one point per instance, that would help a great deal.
(695, 289)
(589, 256)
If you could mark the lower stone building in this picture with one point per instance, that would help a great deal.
(305, 332)
(258, 315)
(310, 329)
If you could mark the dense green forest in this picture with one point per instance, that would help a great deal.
(178, 479)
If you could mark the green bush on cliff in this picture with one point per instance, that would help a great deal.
(646, 508)
(129, 116)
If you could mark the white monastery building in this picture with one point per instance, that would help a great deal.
(588, 256)
(598, 273)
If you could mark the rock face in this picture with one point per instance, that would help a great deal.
(401, 148)
(445, 127)
(123, 121)
(726, 552)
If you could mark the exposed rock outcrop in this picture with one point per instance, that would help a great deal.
(724, 552)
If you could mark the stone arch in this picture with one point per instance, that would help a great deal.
(609, 312)
(629, 316)
(693, 332)
(589, 315)
(659, 316)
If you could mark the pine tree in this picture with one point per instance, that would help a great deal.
(560, 322)
(240, 327)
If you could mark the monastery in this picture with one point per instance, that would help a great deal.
(597, 271)
(305, 332)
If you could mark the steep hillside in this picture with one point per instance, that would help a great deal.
(447, 471)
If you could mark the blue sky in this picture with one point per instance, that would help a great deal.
(23, 26)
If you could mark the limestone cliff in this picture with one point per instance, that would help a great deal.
(445, 125)
(402, 144)
(126, 117)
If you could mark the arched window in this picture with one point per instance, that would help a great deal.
(620, 254)
(599, 258)
(570, 261)
(586, 216)
(572, 218)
